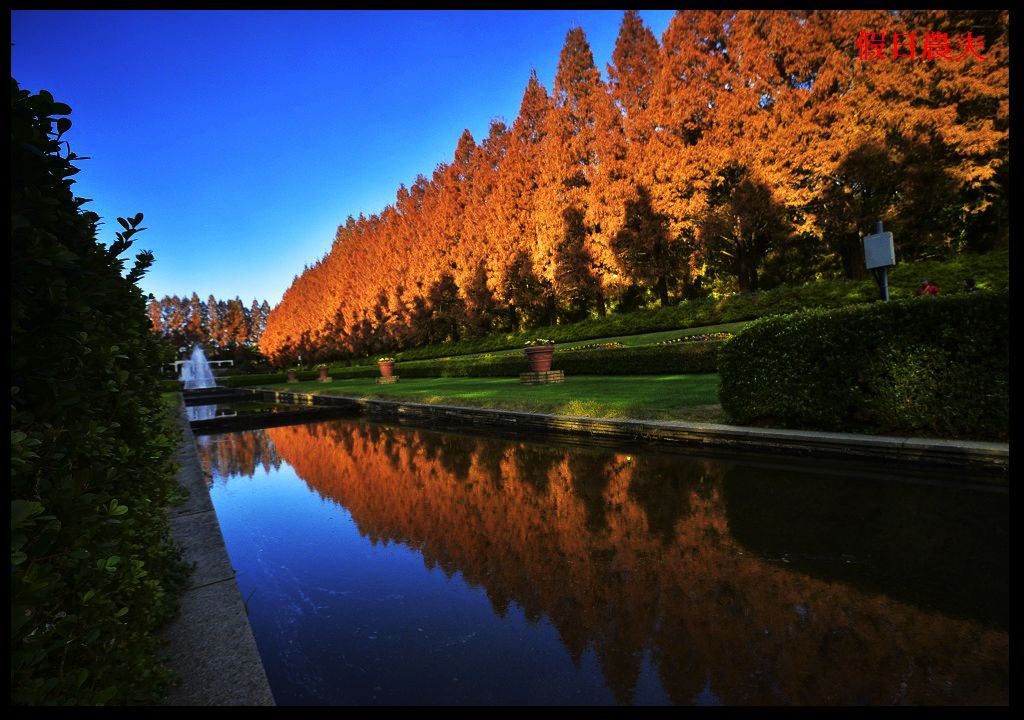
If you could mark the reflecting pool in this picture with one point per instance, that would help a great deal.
(394, 565)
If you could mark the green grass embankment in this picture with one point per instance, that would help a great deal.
(642, 397)
(641, 340)
(989, 270)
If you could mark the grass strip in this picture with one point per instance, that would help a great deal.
(640, 397)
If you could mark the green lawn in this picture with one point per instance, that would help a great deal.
(649, 397)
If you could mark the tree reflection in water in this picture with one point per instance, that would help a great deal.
(690, 560)
(236, 454)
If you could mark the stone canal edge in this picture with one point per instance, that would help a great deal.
(210, 643)
(988, 462)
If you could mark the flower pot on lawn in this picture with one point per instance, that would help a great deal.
(387, 369)
(540, 357)
(323, 375)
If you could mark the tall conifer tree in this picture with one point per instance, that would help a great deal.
(155, 313)
(214, 321)
(569, 159)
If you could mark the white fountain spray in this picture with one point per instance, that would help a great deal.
(196, 372)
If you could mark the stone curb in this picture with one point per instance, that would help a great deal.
(986, 458)
(210, 644)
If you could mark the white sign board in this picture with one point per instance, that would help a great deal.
(878, 251)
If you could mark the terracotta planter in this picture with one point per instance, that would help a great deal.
(292, 377)
(387, 369)
(540, 357)
(323, 375)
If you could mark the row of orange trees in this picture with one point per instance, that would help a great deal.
(222, 323)
(744, 150)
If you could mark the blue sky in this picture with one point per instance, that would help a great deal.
(247, 137)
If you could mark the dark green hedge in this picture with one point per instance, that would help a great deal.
(682, 358)
(280, 377)
(924, 367)
(696, 357)
(94, 572)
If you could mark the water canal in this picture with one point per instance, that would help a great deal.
(393, 565)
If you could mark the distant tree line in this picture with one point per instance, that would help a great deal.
(743, 151)
(219, 324)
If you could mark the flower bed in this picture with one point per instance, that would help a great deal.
(696, 338)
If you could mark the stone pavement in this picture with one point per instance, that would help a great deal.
(210, 644)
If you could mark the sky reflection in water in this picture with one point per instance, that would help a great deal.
(388, 565)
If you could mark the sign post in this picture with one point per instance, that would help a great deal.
(879, 255)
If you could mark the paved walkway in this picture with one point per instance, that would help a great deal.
(210, 644)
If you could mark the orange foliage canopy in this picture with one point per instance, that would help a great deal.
(746, 149)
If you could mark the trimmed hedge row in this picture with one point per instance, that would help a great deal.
(934, 366)
(270, 378)
(697, 357)
(990, 271)
(684, 358)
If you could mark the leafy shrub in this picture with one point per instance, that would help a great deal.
(93, 569)
(990, 271)
(937, 366)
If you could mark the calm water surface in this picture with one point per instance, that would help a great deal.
(233, 408)
(390, 565)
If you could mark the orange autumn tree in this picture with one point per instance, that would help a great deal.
(477, 273)
(683, 108)
(527, 298)
(568, 255)
(920, 143)
(751, 193)
(637, 235)
(743, 150)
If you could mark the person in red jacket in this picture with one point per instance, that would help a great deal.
(926, 288)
